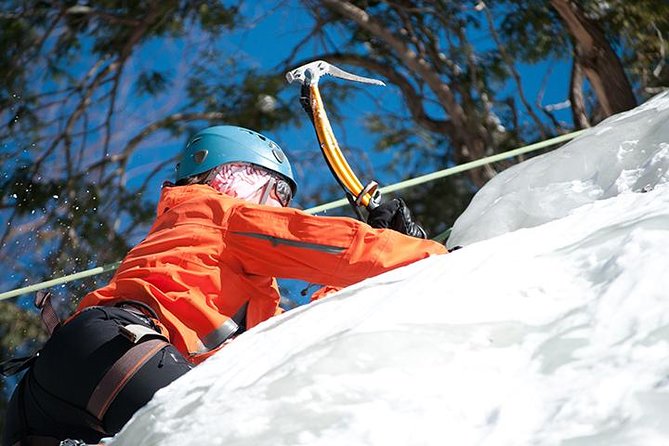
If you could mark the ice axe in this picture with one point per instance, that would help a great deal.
(308, 75)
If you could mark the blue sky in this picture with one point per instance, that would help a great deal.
(287, 28)
(270, 39)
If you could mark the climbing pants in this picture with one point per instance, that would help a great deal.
(75, 388)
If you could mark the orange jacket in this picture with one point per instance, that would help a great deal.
(208, 254)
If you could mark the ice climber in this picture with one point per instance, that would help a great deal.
(204, 274)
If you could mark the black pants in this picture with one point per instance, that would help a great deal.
(51, 398)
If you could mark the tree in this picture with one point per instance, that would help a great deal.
(406, 46)
(618, 49)
(89, 101)
(466, 100)
(595, 56)
(86, 98)
(449, 86)
(18, 328)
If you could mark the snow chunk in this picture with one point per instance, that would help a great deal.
(626, 153)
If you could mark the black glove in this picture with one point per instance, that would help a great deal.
(395, 214)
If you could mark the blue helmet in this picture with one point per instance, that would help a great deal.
(223, 144)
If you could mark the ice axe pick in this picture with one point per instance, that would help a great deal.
(308, 75)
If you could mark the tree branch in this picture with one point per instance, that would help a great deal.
(405, 54)
(111, 18)
(578, 109)
(512, 69)
(413, 98)
(600, 63)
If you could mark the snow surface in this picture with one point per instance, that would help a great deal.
(628, 152)
(556, 333)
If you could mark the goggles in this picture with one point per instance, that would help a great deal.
(252, 183)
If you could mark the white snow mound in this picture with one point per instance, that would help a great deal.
(628, 152)
(556, 334)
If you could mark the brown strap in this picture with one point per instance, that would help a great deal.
(50, 318)
(119, 374)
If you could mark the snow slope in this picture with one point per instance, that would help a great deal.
(628, 152)
(556, 333)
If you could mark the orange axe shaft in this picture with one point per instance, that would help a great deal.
(308, 75)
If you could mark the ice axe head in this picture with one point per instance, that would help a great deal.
(312, 103)
(310, 73)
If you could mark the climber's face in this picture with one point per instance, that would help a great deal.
(251, 183)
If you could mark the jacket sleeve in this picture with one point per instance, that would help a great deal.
(338, 251)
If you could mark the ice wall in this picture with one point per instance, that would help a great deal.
(627, 153)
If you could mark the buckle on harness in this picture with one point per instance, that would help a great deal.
(12, 366)
(136, 333)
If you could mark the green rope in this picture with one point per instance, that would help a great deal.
(442, 236)
(453, 170)
(60, 280)
(331, 205)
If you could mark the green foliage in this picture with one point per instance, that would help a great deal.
(27, 194)
(533, 31)
(253, 101)
(18, 42)
(641, 30)
(151, 83)
(215, 17)
(68, 146)
(18, 325)
(20, 333)
(638, 30)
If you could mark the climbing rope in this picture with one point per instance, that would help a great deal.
(454, 170)
(331, 205)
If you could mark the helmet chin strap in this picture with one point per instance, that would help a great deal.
(266, 191)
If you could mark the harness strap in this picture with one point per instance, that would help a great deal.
(50, 318)
(240, 318)
(53, 405)
(119, 374)
(12, 366)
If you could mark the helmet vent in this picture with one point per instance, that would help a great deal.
(200, 156)
(278, 154)
(192, 141)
